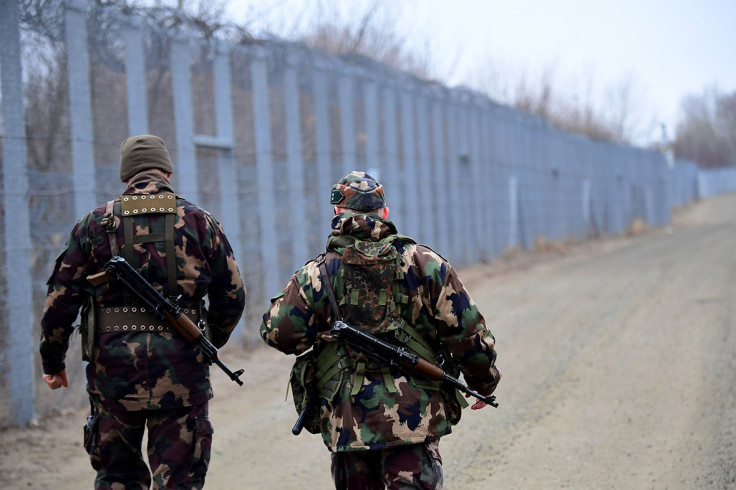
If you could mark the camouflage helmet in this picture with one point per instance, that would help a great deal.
(358, 191)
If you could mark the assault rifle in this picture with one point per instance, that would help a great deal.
(399, 357)
(117, 268)
(391, 355)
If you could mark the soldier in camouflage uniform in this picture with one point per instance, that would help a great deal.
(382, 426)
(142, 375)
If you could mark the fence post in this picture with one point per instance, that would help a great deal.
(227, 171)
(479, 247)
(409, 178)
(295, 163)
(425, 173)
(370, 102)
(264, 172)
(455, 251)
(439, 166)
(181, 87)
(514, 212)
(80, 106)
(464, 180)
(392, 180)
(18, 302)
(485, 150)
(322, 140)
(345, 90)
(135, 77)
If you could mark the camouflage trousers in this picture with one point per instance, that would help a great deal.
(179, 444)
(403, 467)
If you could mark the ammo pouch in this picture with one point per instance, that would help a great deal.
(317, 374)
(88, 328)
(301, 381)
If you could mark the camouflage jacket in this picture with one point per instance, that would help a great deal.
(439, 308)
(144, 370)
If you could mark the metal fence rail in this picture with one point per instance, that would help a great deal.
(258, 133)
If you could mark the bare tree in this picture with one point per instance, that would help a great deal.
(578, 105)
(706, 133)
(726, 117)
(371, 31)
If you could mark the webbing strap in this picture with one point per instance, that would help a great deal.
(324, 278)
(128, 233)
(328, 363)
(388, 379)
(128, 253)
(170, 254)
(359, 377)
(360, 370)
(416, 343)
(108, 222)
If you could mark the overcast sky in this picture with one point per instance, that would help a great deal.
(666, 48)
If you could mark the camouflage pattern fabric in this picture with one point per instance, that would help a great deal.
(358, 191)
(368, 272)
(179, 447)
(404, 467)
(438, 307)
(145, 371)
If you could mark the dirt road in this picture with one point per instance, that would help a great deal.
(619, 360)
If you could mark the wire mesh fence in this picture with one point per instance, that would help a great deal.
(259, 131)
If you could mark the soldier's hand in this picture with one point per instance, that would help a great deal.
(55, 381)
(478, 404)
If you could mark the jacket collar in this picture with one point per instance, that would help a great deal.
(369, 227)
(148, 182)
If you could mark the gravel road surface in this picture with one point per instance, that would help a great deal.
(618, 359)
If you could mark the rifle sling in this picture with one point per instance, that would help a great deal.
(111, 229)
(324, 278)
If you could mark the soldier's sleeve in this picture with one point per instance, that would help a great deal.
(290, 324)
(64, 298)
(226, 291)
(462, 329)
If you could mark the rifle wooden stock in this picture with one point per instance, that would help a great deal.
(428, 370)
(184, 326)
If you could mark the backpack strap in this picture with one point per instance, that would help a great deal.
(330, 361)
(108, 224)
(324, 278)
(110, 227)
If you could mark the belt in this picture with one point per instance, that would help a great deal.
(135, 319)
